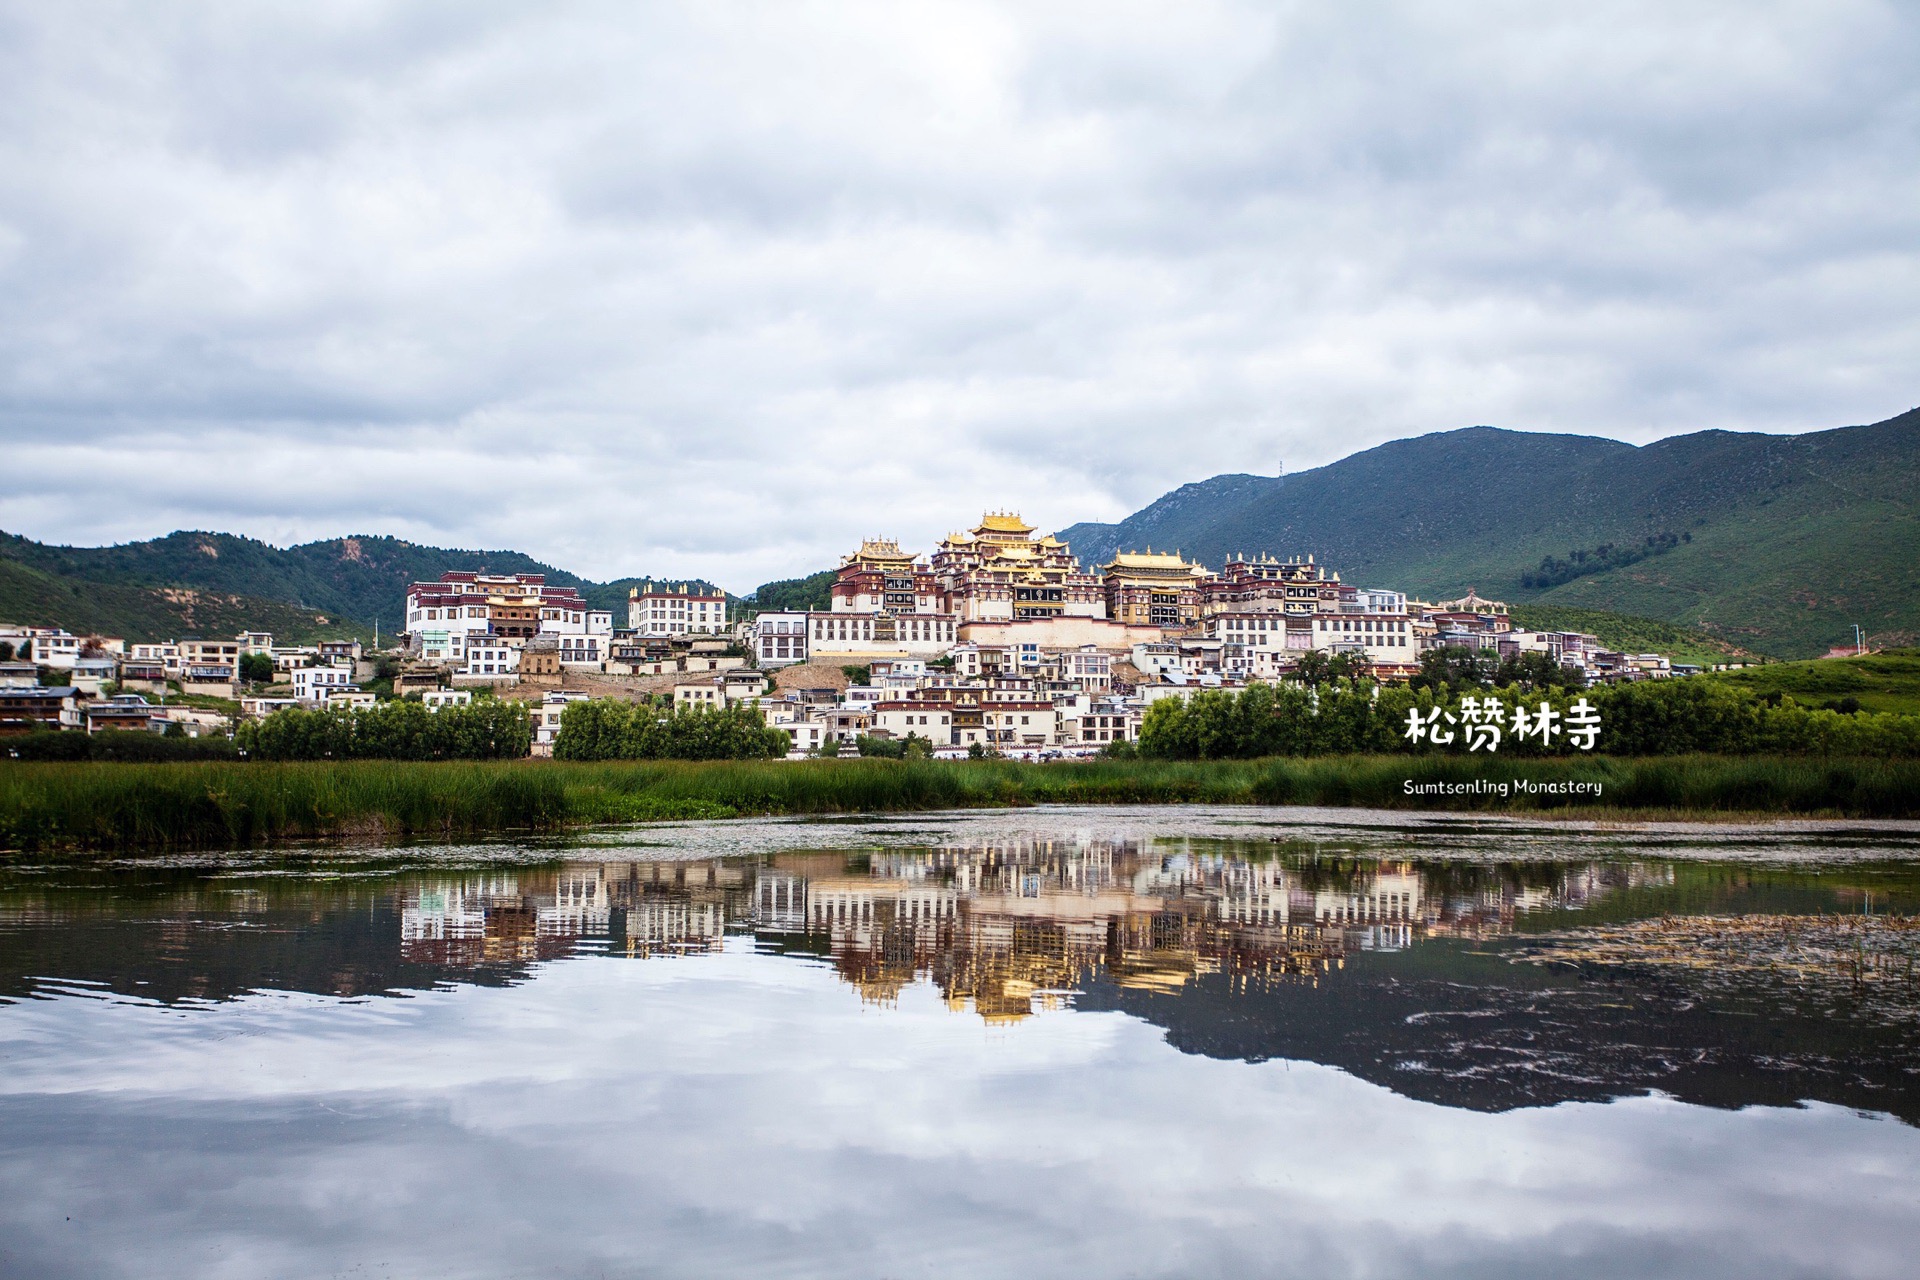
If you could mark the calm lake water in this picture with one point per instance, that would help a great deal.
(1074, 1043)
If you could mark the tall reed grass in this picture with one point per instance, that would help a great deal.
(223, 805)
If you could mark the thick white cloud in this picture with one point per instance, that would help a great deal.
(717, 289)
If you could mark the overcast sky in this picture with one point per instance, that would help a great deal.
(718, 289)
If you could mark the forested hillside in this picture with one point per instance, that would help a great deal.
(1773, 543)
(32, 598)
(815, 591)
(135, 588)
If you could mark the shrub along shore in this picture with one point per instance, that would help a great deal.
(221, 804)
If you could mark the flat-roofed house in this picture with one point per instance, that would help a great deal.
(210, 667)
(48, 707)
(125, 712)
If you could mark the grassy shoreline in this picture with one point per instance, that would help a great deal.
(220, 805)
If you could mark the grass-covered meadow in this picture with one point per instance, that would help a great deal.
(218, 804)
(1888, 683)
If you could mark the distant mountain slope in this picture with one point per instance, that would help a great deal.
(1188, 509)
(1777, 543)
(36, 599)
(355, 578)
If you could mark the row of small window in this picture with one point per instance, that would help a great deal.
(1360, 624)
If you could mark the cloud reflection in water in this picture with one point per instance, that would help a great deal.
(737, 1109)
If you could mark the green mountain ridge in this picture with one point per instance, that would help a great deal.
(1789, 540)
(338, 585)
(1776, 544)
(139, 613)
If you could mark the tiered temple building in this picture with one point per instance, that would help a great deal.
(1000, 572)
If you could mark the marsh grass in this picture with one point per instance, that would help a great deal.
(227, 805)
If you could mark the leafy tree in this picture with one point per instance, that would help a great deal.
(6, 651)
(614, 729)
(1348, 666)
(1534, 670)
(485, 729)
(1643, 718)
(884, 748)
(256, 668)
(1452, 668)
(1312, 668)
(858, 675)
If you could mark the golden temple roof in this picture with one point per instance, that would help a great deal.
(878, 551)
(1152, 560)
(1003, 522)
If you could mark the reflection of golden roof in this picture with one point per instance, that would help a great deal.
(1164, 973)
(883, 986)
(1003, 522)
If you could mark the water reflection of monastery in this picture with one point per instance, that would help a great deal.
(1002, 929)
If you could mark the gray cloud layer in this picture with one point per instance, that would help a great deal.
(716, 289)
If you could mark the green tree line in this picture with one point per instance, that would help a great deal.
(1608, 555)
(485, 729)
(614, 729)
(1648, 718)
